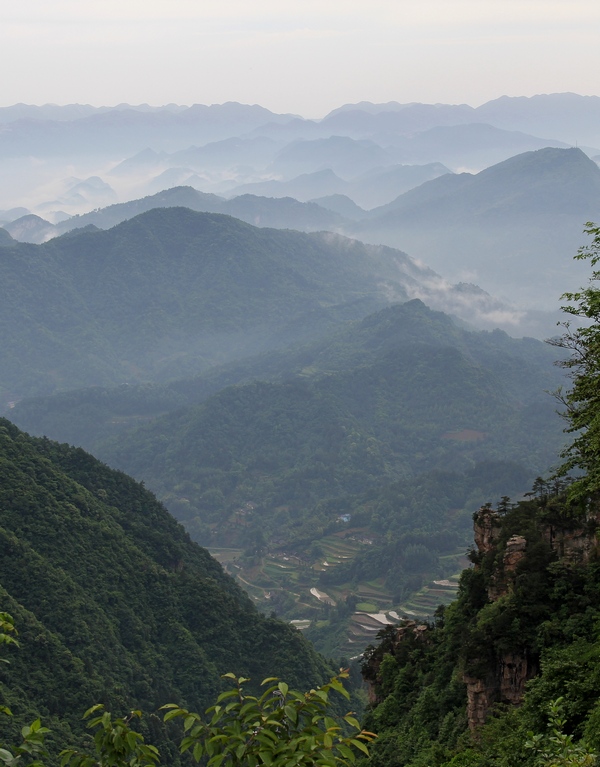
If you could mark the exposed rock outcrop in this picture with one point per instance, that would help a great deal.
(394, 640)
(486, 528)
(573, 542)
(505, 684)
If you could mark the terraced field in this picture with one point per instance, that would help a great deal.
(289, 584)
(424, 603)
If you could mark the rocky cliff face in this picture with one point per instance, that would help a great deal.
(510, 608)
(505, 681)
(575, 542)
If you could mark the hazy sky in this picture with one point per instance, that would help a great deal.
(303, 56)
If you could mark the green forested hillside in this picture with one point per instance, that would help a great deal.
(523, 370)
(171, 292)
(404, 392)
(354, 469)
(523, 630)
(113, 602)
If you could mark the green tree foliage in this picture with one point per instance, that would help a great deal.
(281, 727)
(116, 743)
(114, 603)
(581, 401)
(555, 748)
(548, 612)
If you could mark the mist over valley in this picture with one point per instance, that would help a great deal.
(320, 343)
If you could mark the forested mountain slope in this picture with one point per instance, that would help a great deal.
(508, 226)
(85, 417)
(113, 602)
(173, 291)
(380, 401)
(389, 432)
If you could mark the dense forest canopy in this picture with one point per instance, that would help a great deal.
(350, 465)
(113, 602)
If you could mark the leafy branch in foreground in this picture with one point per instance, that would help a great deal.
(281, 727)
(116, 744)
(556, 748)
(31, 750)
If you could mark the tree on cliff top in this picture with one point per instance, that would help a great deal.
(582, 401)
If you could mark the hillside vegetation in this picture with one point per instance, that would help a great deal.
(469, 688)
(171, 292)
(508, 675)
(353, 470)
(113, 602)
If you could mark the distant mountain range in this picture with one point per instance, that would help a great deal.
(512, 228)
(125, 129)
(568, 117)
(138, 150)
(171, 292)
(284, 213)
(368, 190)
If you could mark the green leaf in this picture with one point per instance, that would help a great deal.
(174, 713)
(360, 746)
(346, 752)
(188, 722)
(291, 713)
(92, 710)
(228, 694)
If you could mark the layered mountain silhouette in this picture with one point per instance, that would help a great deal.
(513, 227)
(375, 187)
(172, 291)
(286, 213)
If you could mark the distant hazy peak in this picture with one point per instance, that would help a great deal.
(391, 106)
